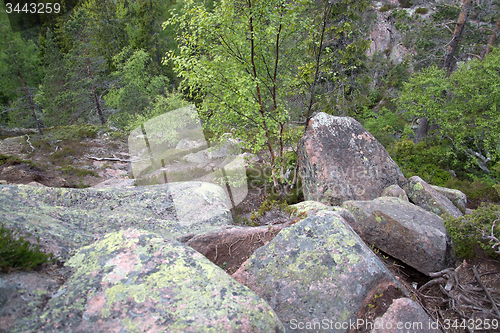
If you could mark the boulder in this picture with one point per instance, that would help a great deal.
(458, 198)
(404, 231)
(339, 160)
(423, 195)
(186, 144)
(403, 316)
(66, 219)
(316, 269)
(136, 281)
(394, 191)
(310, 208)
(199, 158)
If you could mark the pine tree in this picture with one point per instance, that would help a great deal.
(20, 74)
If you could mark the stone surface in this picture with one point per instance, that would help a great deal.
(405, 316)
(186, 144)
(316, 269)
(66, 219)
(394, 191)
(310, 207)
(135, 281)
(340, 160)
(458, 198)
(23, 294)
(404, 231)
(423, 195)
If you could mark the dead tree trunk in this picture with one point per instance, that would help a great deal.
(457, 34)
(492, 38)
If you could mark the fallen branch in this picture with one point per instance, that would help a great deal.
(110, 159)
(28, 140)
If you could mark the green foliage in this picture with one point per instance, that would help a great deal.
(161, 105)
(463, 106)
(72, 132)
(79, 172)
(429, 160)
(446, 13)
(386, 8)
(271, 205)
(17, 252)
(477, 191)
(335, 73)
(20, 74)
(469, 232)
(422, 10)
(384, 126)
(406, 3)
(241, 61)
(14, 160)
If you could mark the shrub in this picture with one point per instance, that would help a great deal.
(13, 160)
(477, 191)
(428, 159)
(470, 232)
(16, 252)
(406, 3)
(421, 10)
(385, 8)
(282, 209)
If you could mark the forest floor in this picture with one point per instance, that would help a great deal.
(460, 298)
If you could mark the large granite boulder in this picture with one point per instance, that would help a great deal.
(339, 160)
(404, 231)
(317, 269)
(136, 281)
(430, 199)
(66, 219)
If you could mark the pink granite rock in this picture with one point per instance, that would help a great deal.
(340, 160)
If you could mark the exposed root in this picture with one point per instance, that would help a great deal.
(471, 301)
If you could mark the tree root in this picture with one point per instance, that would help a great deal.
(469, 300)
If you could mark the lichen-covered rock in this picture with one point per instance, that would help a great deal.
(405, 231)
(458, 198)
(134, 281)
(316, 268)
(310, 207)
(403, 316)
(339, 160)
(423, 195)
(66, 219)
(394, 191)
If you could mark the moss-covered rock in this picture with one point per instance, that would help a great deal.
(66, 219)
(423, 195)
(317, 268)
(458, 198)
(135, 281)
(394, 191)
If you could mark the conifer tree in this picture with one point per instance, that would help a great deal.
(20, 74)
